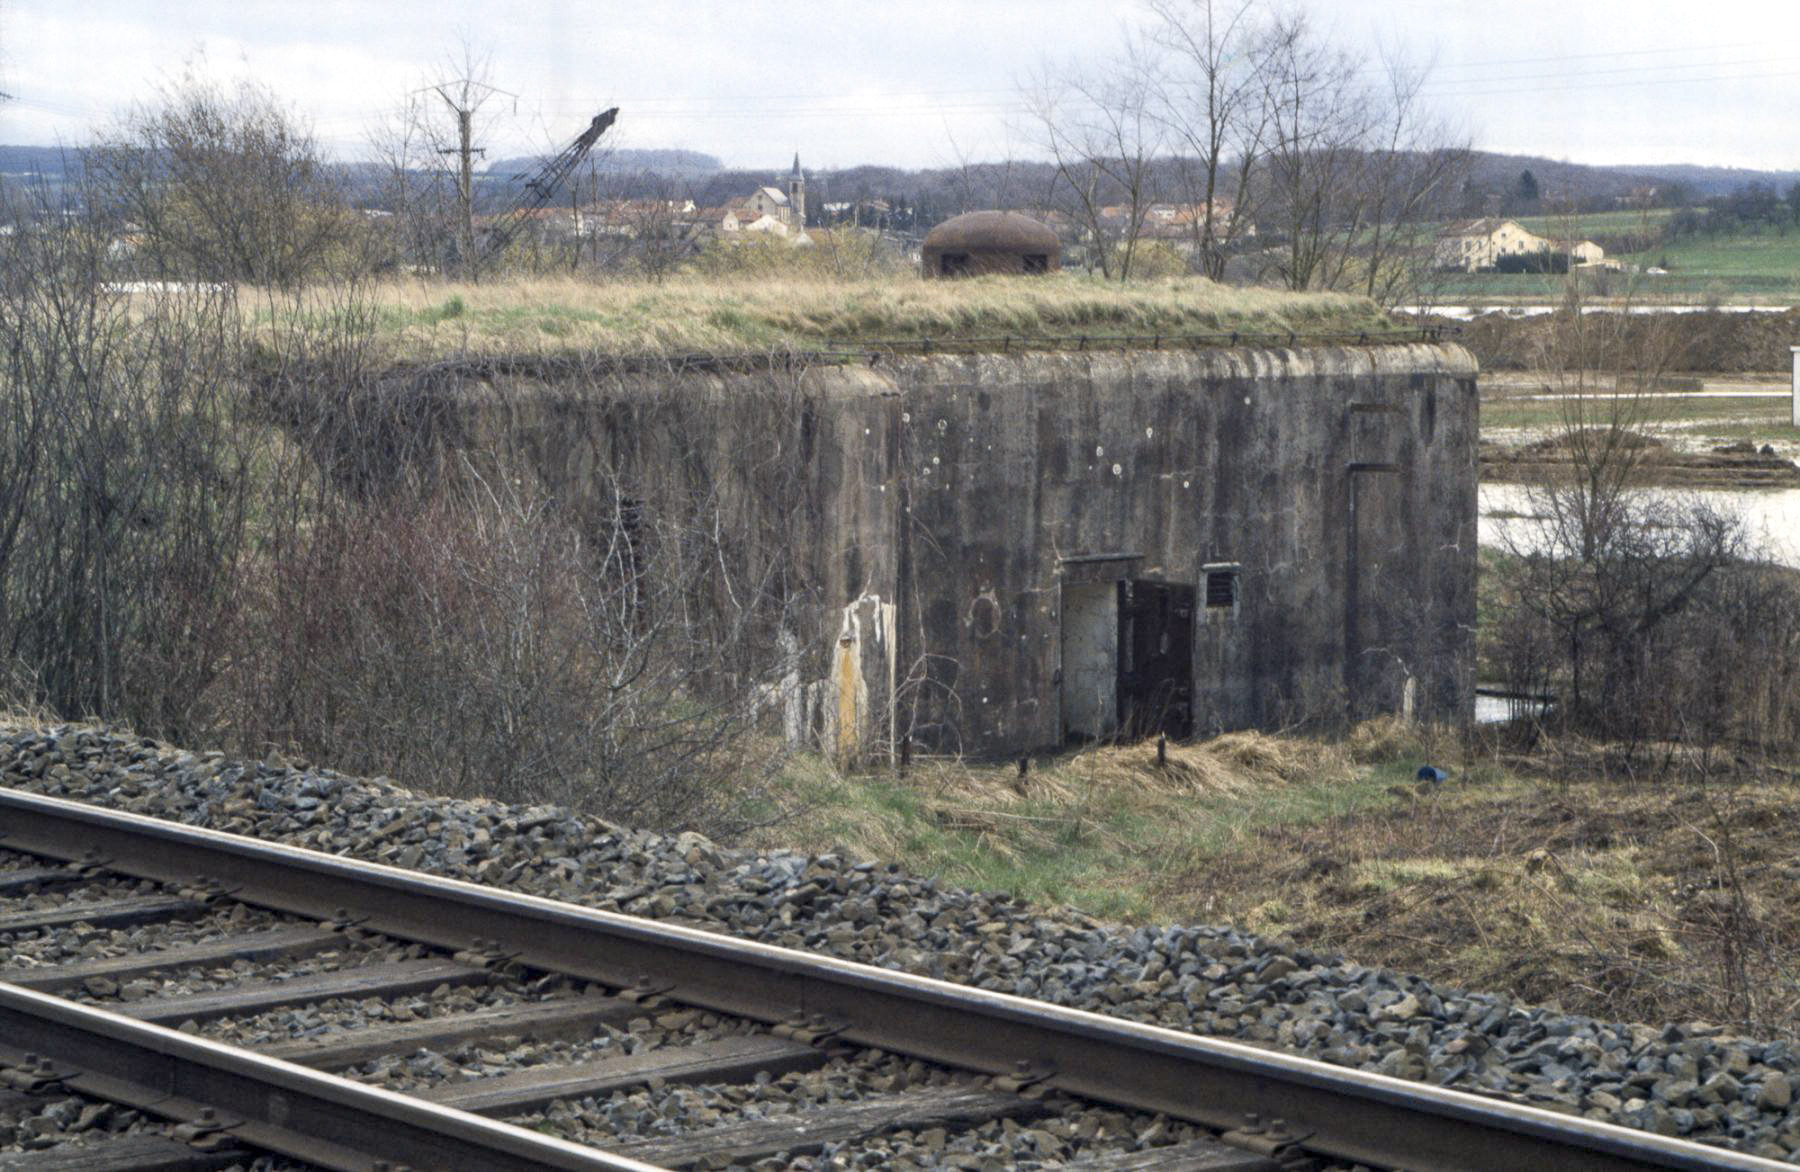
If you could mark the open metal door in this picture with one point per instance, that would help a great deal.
(1156, 659)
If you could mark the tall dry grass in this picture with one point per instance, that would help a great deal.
(424, 319)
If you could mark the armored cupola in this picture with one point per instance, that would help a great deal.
(979, 243)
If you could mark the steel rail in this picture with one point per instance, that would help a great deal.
(1349, 1114)
(235, 1095)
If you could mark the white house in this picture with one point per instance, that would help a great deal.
(1479, 245)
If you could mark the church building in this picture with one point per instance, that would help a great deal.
(785, 208)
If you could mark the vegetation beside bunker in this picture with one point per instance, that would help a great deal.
(1657, 895)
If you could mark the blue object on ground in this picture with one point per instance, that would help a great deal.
(1432, 773)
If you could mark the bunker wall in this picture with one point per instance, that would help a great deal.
(927, 515)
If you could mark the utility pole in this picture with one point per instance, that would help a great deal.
(465, 96)
(465, 180)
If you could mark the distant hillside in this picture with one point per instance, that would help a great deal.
(1596, 186)
(1710, 181)
(922, 197)
(675, 163)
(49, 162)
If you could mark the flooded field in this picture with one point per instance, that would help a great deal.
(1771, 517)
(1470, 312)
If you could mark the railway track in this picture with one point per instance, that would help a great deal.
(503, 1017)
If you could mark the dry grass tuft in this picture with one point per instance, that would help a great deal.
(1228, 765)
(1103, 828)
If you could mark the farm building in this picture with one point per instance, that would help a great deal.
(1481, 245)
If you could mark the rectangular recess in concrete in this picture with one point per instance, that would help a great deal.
(1090, 659)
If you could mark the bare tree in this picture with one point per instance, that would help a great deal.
(1313, 173)
(1211, 99)
(1415, 163)
(1352, 170)
(428, 150)
(974, 185)
(419, 191)
(1104, 137)
(1640, 609)
(224, 184)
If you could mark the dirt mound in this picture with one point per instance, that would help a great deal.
(1554, 446)
(1738, 465)
(1709, 342)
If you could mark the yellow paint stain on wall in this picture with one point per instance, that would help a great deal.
(848, 683)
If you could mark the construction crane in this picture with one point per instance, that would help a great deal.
(543, 185)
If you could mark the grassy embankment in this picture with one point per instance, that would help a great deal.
(1608, 897)
(421, 321)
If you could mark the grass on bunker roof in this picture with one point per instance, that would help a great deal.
(420, 320)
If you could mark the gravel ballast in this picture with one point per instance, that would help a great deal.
(1688, 1080)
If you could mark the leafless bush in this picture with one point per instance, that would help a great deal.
(129, 479)
(222, 527)
(471, 637)
(1645, 613)
(211, 183)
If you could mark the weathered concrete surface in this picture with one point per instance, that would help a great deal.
(927, 511)
(1353, 577)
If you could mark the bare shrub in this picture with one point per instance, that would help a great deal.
(1645, 613)
(471, 638)
(129, 480)
(233, 535)
(223, 184)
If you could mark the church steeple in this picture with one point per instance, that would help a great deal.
(797, 192)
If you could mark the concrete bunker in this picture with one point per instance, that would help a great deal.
(980, 243)
(991, 554)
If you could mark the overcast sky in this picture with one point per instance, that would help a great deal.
(912, 83)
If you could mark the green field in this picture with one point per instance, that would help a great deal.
(1723, 417)
(1749, 268)
(1599, 223)
(1765, 259)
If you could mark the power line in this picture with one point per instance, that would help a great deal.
(1577, 86)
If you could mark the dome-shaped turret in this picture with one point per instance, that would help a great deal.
(976, 243)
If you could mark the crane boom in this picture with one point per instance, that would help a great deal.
(543, 184)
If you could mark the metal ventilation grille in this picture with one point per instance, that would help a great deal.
(1221, 587)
